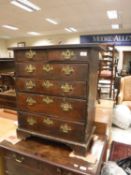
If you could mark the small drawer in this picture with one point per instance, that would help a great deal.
(13, 168)
(68, 55)
(53, 87)
(51, 126)
(31, 55)
(21, 159)
(61, 107)
(78, 72)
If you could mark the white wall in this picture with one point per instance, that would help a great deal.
(45, 40)
(41, 41)
(3, 49)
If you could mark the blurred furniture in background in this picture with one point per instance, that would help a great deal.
(8, 80)
(8, 99)
(7, 83)
(124, 96)
(7, 69)
(107, 72)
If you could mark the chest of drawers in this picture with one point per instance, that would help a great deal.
(56, 92)
(37, 157)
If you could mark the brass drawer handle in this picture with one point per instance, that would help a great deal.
(59, 171)
(69, 173)
(30, 68)
(65, 128)
(30, 85)
(30, 101)
(67, 70)
(47, 100)
(31, 121)
(66, 106)
(19, 160)
(67, 88)
(48, 121)
(68, 54)
(47, 68)
(47, 84)
(30, 54)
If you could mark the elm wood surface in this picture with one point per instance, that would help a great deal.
(66, 106)
(39, 157)
(7, 68)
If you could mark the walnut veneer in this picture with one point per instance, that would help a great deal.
(56, 92)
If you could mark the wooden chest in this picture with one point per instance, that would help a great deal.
(38, 157)
(56, 92)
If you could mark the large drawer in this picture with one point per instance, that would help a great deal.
(19, 164)
(53, 71)
(59, 107)
(52, 55)
(53, 87)
(50, 126)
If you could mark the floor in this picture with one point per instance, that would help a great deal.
(8, 125)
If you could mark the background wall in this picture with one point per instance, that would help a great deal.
(3, 48)
(37, 41)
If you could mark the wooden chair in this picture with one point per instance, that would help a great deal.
(107, 70)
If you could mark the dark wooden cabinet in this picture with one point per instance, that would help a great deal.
(56, 92)
(36, 156)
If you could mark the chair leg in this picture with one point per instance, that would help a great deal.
(98, 95)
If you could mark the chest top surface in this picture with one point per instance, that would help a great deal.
(56, 154)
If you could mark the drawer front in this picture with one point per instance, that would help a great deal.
(53, 71)
(52, 87)
(18, 164)
(13, 167)
(20, 159)
(68, 54)
(51, 126)
(31, 55)
(52, 55)
(62, 108)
